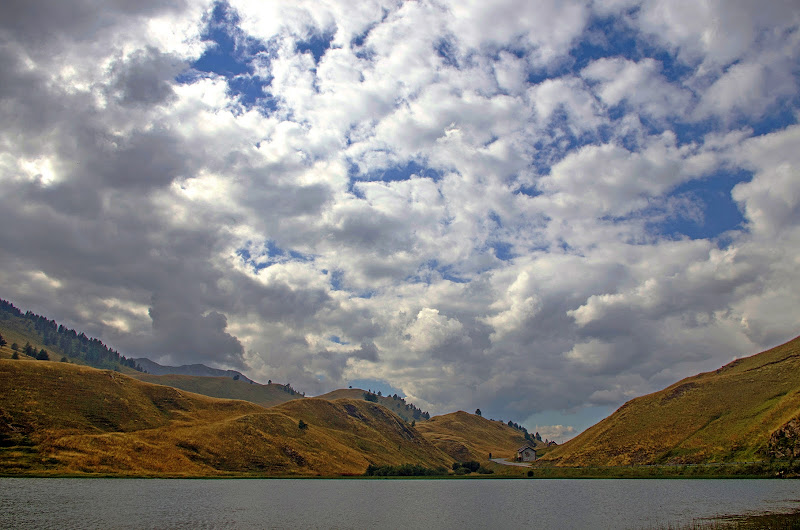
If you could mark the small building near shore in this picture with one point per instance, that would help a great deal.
(526, 453)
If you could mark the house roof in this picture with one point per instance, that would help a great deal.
(526, 447)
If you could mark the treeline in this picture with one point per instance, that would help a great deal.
(528, 436)
(286, 388)
(404, 470)
(414, 412)
(71, 343)
(470, 466)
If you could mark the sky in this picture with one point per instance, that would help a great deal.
(541, 209)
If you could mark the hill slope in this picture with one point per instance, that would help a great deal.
(466, 436)
(223, 387)
(736, 413)
(57, 340)
(153, 368)
(398, 405)
(58, 418)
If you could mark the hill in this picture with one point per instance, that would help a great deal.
(466, 436)
(224, 387)
(58, 341)
(152, 367)
(59, 418)
(747, 410)
(395, 403)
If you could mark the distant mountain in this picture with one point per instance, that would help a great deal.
(747, 410)
(225, 387)
(152, 367)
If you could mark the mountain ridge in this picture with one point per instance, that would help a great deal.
(725, 415)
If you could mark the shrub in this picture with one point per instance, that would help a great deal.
(404, 470)
(471, 465)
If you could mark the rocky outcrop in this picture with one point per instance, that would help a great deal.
(784, 443)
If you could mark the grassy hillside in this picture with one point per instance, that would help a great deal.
(223, 387)
(59, 418)
(466, 436)
(57, 340)
(726, 415)
(398, 405)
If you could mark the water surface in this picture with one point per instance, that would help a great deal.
(386, 504)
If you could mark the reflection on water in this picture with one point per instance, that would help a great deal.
(386, 504)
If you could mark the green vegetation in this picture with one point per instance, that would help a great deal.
(471, 466)
(404, 470)
(56, 338)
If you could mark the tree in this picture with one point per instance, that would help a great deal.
(236, 377)
(42, 355)
(2, 341)
(15, 355)
(302, 425)
(15, 347)
(28, 350)
(64, 359)
(478, 412)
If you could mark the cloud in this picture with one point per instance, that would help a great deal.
(484, 203)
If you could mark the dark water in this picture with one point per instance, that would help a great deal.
(385, 504)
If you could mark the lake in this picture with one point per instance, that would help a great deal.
(386, 504)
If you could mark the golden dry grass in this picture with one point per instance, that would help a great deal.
(724, 415)
(466, 436)
(395, 405)
(222, 387)
(62, 419)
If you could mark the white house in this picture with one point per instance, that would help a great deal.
(526, 453)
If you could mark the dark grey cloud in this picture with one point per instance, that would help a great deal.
(40, 25)
(145, 78)
(187, 334)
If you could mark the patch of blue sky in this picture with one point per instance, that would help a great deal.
(230, 54)
(336, 278)
(579, 420)
(720, 213)
(607, 37)
(337, 340)
(530, 191)
(432, 270)
(779, 116)
(395, 173)
(447, 51)
(558, 140)
(502, 250)
(376, 385)
(269, 255)
(317, 44)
